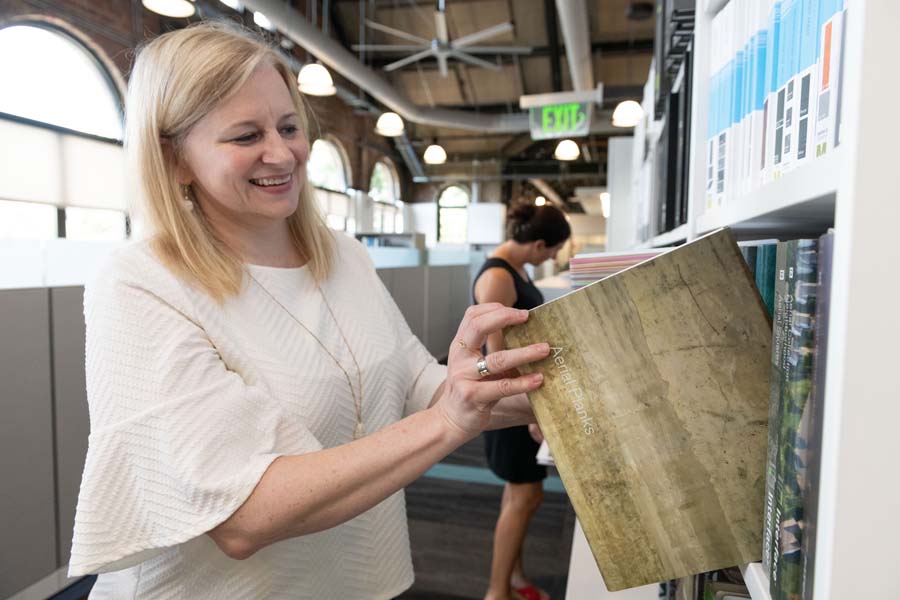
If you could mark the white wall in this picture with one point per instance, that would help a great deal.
(620, 230)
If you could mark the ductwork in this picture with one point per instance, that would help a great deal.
(330, 52)
(573, 21)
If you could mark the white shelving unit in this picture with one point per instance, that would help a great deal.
(757, 581)
(801, 201)
(852, 189)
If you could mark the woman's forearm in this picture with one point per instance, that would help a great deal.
(303, 494)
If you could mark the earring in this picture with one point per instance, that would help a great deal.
(187, 202)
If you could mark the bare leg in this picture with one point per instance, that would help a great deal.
(520, 501)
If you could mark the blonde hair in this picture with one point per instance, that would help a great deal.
(178, 78)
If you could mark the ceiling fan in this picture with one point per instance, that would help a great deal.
(442, 47)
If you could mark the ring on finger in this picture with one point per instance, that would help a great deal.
(483, 370)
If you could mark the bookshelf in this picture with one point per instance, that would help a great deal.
(852, 190)
(679, 234)
(757, 581)
(802, 201)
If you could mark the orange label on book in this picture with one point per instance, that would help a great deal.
(826, 65)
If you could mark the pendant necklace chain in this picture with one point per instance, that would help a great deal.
(359, 430)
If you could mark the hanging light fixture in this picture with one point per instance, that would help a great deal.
(263, 21)
(627, 114)
(233, 5)
(389, 125)
(540, 201)
(315, 80)
(566, 150)
(435, 155)
(176, 9)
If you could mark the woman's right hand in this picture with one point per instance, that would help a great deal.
(467, 398)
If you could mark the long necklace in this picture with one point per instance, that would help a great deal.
(359, 430)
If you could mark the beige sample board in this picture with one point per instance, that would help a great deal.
(655, 407)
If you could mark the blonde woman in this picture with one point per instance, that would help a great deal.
(257, 401)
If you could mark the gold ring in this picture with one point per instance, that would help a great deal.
(462, 344)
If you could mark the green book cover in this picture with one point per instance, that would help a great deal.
(793, 420)
(780, 323)
(765, 274)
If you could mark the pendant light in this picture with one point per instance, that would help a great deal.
(435, 155)
(389, 124)
(177, 9)
(233, 5)
(263, 21)
(627, 114)
(540, 201)
(566, 150)
(315, 80)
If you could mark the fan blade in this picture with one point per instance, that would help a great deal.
(408, 60)
(499, 49)
(442, 64)
(476, 61)
(440, 27)
(396, 32)
(484, 34)
(389, 47)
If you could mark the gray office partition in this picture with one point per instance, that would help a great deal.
(438, 317)
(408, 289)
(27, 498)
(71, 422)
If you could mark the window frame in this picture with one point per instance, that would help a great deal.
(465, 208)
(97, 56)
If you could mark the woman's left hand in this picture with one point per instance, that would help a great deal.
(475, 383)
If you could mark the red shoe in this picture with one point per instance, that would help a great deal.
(529, 592)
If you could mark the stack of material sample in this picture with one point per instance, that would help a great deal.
(588, 268)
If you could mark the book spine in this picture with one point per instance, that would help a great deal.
(780, 319)
(790, 480)
(816, 413)
(765, 275)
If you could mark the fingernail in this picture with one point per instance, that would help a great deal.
(523, 313)
(536, 377)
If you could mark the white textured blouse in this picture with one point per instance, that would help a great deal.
(190, 401)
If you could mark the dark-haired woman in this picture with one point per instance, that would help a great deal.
(534, 235)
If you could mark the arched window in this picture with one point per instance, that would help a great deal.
(384, 189)
(59, 79)
(327, 171)
(55, 80)
(453, 215)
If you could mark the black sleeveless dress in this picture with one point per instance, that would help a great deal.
(511, 452)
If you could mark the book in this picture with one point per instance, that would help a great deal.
(765, 274)
(793, 418)
(816, 414)
(654, 406)
(780, 324)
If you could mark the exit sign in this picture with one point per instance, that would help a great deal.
(568, 119)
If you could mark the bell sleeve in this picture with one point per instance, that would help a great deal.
(178, 439)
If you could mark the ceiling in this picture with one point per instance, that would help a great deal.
(621, 50)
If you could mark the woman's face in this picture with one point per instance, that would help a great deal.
(246, 159)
